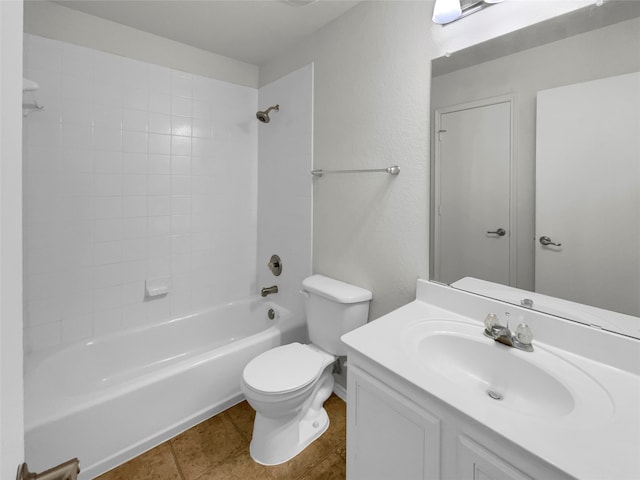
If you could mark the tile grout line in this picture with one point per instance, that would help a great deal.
(318, 460)
(175, 459)
(246, 439)
(338, 451)
(240, 432)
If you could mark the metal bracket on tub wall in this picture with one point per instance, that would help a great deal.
(65, 471)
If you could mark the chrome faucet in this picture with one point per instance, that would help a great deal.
(520, 339)
(269, 290)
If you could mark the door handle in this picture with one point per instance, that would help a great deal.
(501, 232)
(544, 240)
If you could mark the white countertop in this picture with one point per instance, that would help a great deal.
(603, 444)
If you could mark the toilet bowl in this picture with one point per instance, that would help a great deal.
(288, 385)
(288, 404)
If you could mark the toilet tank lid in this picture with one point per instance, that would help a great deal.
(335, 289)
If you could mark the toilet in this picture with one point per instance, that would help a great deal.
(288, 385)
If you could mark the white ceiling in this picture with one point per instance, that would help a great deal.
(253, 31)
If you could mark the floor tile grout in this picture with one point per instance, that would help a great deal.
(175, 459)
(235, 425)
(202, 444)
(246, 438)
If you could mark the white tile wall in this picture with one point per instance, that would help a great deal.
(132, 171)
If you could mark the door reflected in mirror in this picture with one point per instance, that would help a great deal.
(541, 140)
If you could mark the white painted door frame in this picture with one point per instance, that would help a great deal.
(11, 351)
(511, 99)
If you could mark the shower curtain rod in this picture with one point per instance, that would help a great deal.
(394, 170)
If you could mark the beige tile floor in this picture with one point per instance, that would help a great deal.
(218, 449)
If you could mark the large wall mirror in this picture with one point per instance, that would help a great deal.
(536, 162)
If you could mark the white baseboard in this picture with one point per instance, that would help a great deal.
(340, 391)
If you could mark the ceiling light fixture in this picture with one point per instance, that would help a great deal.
(445, 11)
(300, 3)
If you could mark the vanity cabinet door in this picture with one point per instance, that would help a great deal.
(477, 463)
(388, 436)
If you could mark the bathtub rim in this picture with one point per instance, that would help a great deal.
(33, 358)
(68, 405)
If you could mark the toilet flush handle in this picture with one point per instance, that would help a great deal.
(305, 293)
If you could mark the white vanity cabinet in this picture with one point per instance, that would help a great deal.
(396, 432)
(431, 397)
(388, 435)
(478, 463)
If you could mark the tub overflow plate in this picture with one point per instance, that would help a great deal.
(494, 395)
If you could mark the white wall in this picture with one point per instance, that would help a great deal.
(284, 184)
(372, 80)
(11, 396)
(132, 172)
(55, 21)
(372, 70)
(370, 111)
(347, 53)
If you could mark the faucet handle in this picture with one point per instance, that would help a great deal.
(275, 265)
(490, 322)
(524, 334)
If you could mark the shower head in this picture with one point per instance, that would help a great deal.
(264, 116)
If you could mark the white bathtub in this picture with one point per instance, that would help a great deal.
(109, 399)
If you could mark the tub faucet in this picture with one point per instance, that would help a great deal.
(269, 290)
(520, 339)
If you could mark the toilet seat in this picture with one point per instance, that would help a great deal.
(283, 369)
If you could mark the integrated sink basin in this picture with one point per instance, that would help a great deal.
(538, 383)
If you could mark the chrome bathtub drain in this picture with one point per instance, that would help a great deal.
(494, 395)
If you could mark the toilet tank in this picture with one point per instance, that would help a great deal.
(333, 308)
